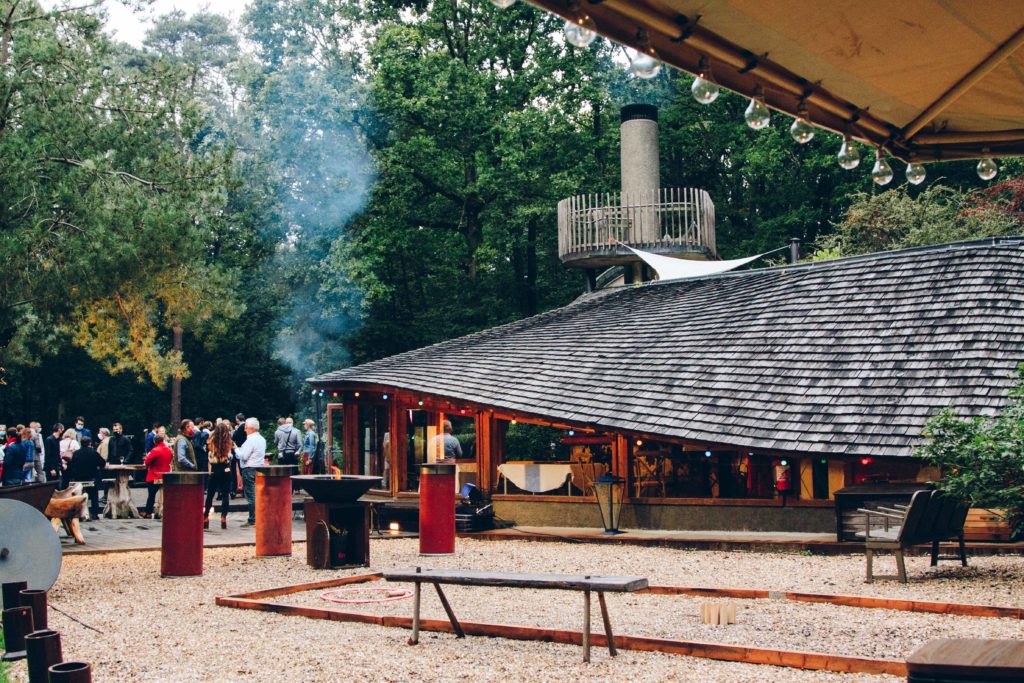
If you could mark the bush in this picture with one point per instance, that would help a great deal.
(982, 460)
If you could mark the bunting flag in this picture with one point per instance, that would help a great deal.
(669, 268)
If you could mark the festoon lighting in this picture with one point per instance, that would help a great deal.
(582, 31)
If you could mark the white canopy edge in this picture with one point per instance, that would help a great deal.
(669, 268)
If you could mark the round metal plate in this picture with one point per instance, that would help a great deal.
(29, 548)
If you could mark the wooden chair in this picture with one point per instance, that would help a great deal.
(584, 472)
(931, 517)
(647, 474)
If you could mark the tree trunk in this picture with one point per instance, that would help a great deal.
(176, 386)
(530, 285)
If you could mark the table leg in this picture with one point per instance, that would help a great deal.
(586, 626)
(448, 610)
(607, 624)
(415, 615)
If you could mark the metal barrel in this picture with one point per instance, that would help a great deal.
(71, 672)
(43, 650)
(36, 599)
(17, 624)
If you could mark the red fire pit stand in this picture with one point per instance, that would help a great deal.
(437, 509)
(274, 510)
(181, 549)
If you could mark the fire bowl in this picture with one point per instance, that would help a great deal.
(326, 488)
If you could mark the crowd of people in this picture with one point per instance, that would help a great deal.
(230, 451)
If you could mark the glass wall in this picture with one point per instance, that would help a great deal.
(374, 443)
(335, 436)
(666, 470)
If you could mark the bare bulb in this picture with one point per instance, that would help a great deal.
(757, 115)
(503, 4)
(704, 91)
(581, 33)
(849, 156)
(915, 173)
(987, 169)
(644, 66)
(801, 131)
(882, 171)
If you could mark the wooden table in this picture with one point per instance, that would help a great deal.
(119, 497)
(572, 582)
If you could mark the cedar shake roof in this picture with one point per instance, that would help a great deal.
(848, 356)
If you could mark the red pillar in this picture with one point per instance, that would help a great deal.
(274, 510)
(181, 549)
(437, 509)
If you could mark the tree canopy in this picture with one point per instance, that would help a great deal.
(231, 207)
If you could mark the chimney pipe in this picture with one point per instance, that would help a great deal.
(640, 169)
(794, 249)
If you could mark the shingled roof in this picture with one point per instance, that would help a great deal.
(848, 356)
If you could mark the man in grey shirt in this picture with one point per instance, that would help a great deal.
(446, 447)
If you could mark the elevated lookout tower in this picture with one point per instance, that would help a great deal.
(672, 221)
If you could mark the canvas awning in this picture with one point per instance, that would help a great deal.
(928, 79)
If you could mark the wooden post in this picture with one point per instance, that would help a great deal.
(448, 610)
(484, 450)
(415, 613)
(620, 461)
(607, 625)
(586, 626)
(350, 438)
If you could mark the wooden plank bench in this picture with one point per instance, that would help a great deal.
(964, 660)
(571, 582)
(931, 517)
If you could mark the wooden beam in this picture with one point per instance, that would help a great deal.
(977, 138)
(969, 80)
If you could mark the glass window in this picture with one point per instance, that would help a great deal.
(374, 442)
(335, 435)
(421, 428)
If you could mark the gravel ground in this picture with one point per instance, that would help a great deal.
(154, 629)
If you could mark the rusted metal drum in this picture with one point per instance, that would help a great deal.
(437, 509)
(181, 549)
(274, 510)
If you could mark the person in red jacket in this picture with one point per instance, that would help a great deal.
(157, 461)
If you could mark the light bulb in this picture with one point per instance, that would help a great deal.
(581, 33)
(644, 66)
(757, 115)
(882, 171)
(915, 173)
(704, 91)
(987, 169)
(849, 156)
(801, 131)
(503, 4)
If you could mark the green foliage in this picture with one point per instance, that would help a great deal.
(895, 219)
(981, 459)
(525, 441)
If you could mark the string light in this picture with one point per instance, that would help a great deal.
(849, 156)
(915, 172)
(385, 397)
(356, 394)
(704, 88)
(881, 173)
(644, 65)
(503, 4)
(757, 114)
(987, 168)
(801, 131)
(582, 31)
(707, 454)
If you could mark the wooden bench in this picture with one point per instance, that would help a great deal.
(931, 517)
(962, 660)
(571, 582)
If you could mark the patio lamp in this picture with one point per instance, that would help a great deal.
(608, 491)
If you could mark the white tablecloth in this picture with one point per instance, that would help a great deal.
(536, 477)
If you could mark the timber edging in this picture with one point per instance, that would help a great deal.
(729, 544)
(818, 661)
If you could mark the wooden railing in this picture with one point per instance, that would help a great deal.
(672, 216)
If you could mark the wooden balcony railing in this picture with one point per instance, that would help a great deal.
(666, 220)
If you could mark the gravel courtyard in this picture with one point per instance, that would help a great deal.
(153, 629)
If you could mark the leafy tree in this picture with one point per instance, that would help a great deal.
(895, 219)
(981, 459)
(108, 197)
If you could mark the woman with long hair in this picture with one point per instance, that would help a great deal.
(219, 449)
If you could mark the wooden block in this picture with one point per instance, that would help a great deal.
(718, 614)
